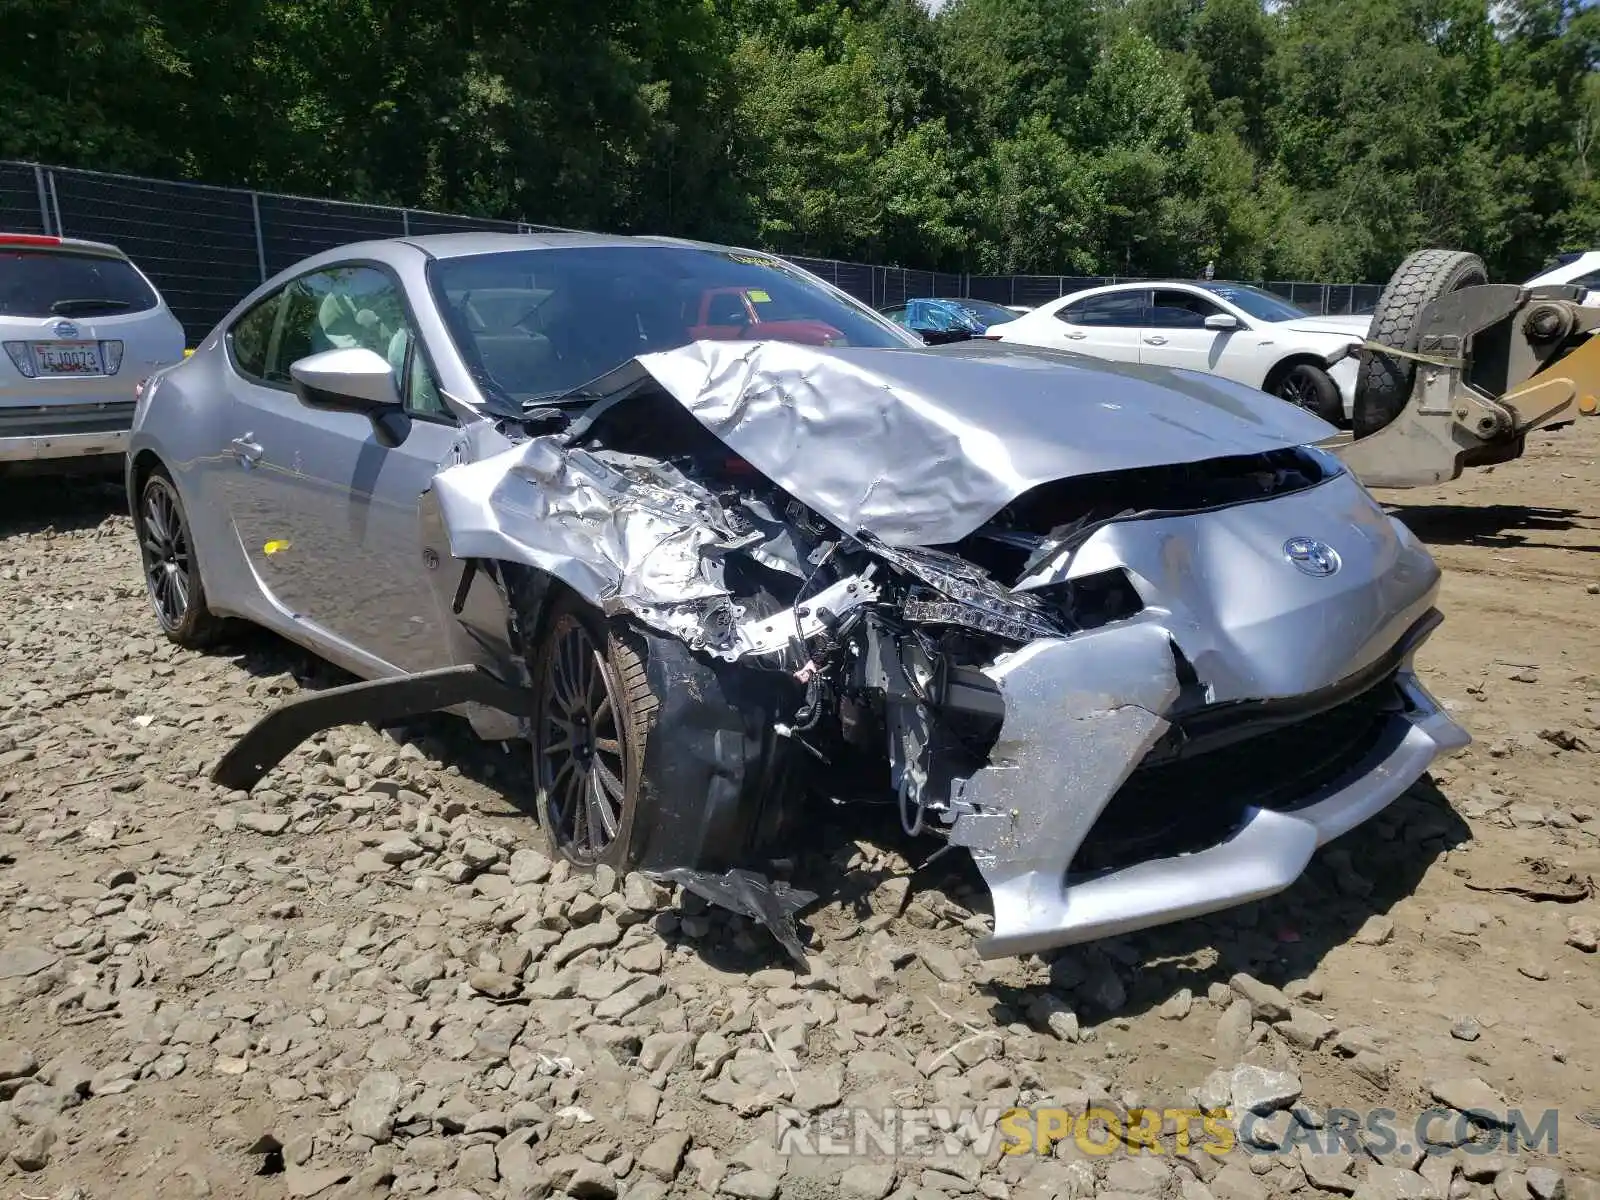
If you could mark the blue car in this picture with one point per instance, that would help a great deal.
(941, 321)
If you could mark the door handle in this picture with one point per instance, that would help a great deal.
(1077, 337)
(245, 450)
(1157, 340)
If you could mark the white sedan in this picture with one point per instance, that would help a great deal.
(1239, 332)
(1575, 270)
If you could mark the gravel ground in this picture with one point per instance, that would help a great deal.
(365, 978)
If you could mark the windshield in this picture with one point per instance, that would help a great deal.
(53, 283)
(534, 324)
(1264, 306)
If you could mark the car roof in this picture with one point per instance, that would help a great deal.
(460, 245)
(39, 241)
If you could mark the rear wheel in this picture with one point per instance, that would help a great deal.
(1313, 389)
(1385, 381)
(171, 571)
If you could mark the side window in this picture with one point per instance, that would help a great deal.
(422, 391)
(1591, 280)
(251, 337)
(1118, 309)
(341, 308)
(1072, 314)
(1180, 310)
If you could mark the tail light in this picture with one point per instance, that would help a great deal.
(28, 239)
(111, 357)
(20, 358)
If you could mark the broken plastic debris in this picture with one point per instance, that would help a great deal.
(772, 902)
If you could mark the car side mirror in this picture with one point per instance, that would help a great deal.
(1222, 322)
(354, 380)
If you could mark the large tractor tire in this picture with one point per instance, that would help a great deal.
(1384, 384)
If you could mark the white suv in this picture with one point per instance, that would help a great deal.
(1229, 329)
(81, 327)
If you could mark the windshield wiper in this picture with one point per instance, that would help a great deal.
(65, 308)
(561, 396)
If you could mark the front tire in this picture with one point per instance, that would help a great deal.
(593, 715)
(171, 570)
(1313, 389)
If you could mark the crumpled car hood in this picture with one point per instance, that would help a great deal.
(921, 447)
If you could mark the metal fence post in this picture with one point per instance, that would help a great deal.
(261, 243)
(55, 205)
(44, 199)
(405, 222)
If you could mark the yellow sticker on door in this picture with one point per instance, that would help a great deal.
(758, 297)
(276, 546)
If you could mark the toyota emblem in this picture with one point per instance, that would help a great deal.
(1311, 556)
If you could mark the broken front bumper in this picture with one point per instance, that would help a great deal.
(1065, 758)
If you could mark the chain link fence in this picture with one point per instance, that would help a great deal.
(205, 246)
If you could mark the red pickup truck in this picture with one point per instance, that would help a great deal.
(735, 313)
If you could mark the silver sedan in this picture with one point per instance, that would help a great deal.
(715, 539)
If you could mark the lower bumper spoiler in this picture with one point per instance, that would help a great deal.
(1265, 854)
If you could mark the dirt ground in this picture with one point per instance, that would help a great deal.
(364, 978)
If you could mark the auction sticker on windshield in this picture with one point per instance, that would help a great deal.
(67, 358)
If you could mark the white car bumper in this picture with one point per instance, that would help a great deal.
(1345, 373)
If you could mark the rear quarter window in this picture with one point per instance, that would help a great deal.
(54, 283)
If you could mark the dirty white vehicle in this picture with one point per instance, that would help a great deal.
(1229, 329)
(81, 327)
(1115, 630)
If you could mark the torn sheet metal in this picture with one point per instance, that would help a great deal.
(627, 533)
(1080, 715)
(771, 902)
(921, 448)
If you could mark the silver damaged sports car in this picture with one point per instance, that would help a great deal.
(717, 540)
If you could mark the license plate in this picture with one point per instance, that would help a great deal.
(67, 358)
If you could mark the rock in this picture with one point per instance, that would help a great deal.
(591, 1181)
(19, 962)
(600, 935)
(866, 1181)
(372, 1110)
(1267, 1003)
(476, 1164)
(1332, 1172)
(1375, 931)
(529, 866)
(16, 1061)
(32, 1152)
(942, 964)
(479, 854)
(857, 985)
(1143, 1176)
(1546, 1183)
(1235, 1182)
(1053, 1013)
(1176, 1006)
(493, 983)
(1233, 1030)
(400, 850)
(417, 974)
(1262, 1091)
(304, 1181)
(1582, 936)
(1511, 1185)
(269, 823)
(1471, 1095)
(664, 1157)
(1465, 1029)
(1305, 1028)
(521, 1173)
(1393, 1183)
(751, 1185)
(1104, 990)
